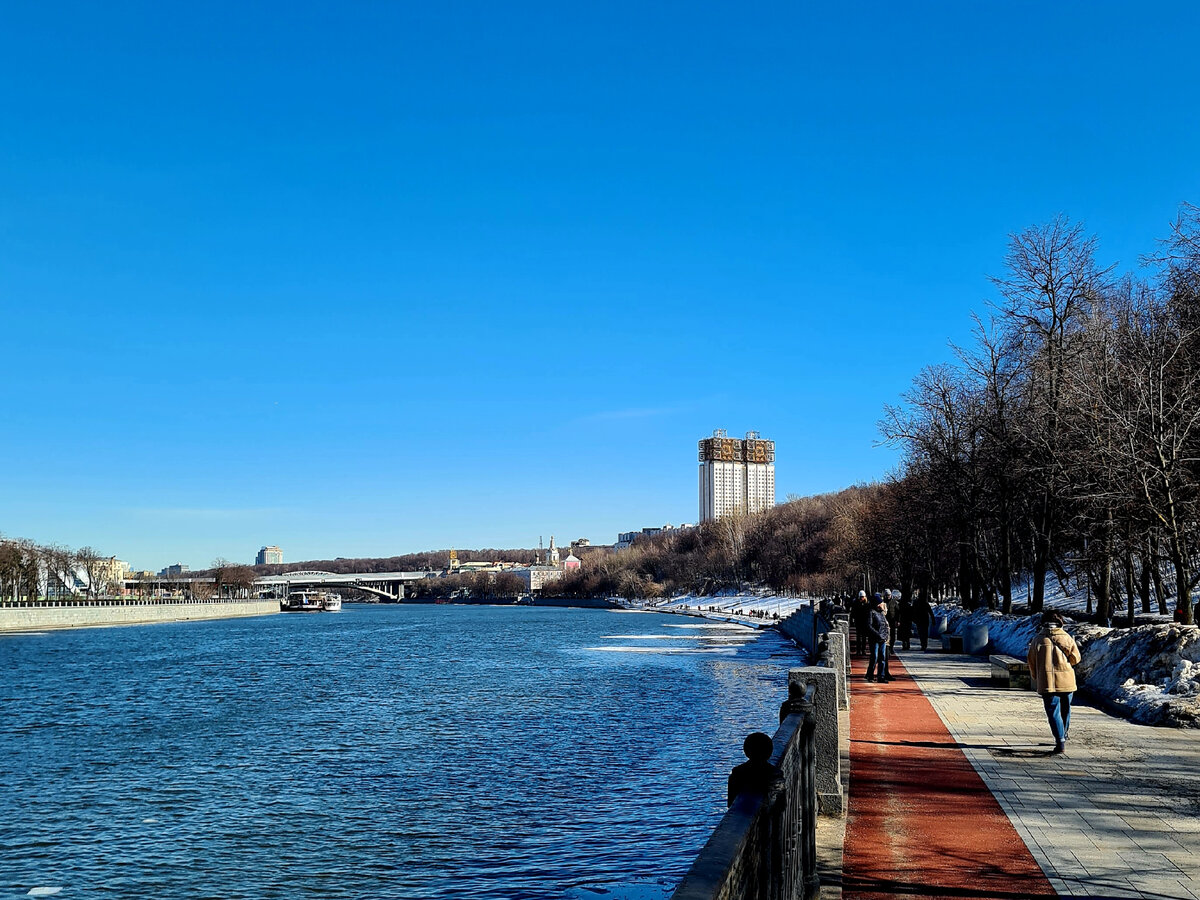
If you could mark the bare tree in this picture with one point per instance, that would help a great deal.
(94, 567)
(1050, 282)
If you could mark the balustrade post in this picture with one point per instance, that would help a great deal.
(828, 752)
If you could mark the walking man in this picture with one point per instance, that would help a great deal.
(860, 614)
(892, 610)
(904, 619)
(880, 632)
(1052, 653)
(922, 615)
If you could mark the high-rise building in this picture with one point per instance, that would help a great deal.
(269, 556)
(736, 476)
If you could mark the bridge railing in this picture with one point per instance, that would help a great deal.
(765, 847)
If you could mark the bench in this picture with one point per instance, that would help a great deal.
(952, 643)
(1010, 672)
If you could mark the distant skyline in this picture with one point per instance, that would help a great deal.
(368, 279)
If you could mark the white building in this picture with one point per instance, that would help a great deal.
(536, 577)
(736, 476)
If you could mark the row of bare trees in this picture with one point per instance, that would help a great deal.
(1063, 446)
(29, 571)
(1066, 440)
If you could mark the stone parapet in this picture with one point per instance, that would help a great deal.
(48, 615)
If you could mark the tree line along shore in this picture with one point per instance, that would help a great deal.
(1063, 444)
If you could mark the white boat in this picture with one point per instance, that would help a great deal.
(310, 601)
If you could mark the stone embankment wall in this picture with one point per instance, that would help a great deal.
(48, 614)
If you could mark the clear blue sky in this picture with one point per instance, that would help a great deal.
(370, 278)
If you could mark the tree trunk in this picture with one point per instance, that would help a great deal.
(1145, 585)
(1131, 608)
(1005, 564)
(1156, 574)
(1182, 593)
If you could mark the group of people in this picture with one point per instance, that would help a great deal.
(1052, 655)
(882, 619)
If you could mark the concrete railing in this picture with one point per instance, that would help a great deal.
(77, 602)
(827, 640)
(49, 614)
(765, 846)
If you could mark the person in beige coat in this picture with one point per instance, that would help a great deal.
(1052, 655)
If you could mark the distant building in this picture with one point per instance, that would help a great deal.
(176, 571)
(736, 476)
(571, 562)
(269, 556)
(627, 538)
(537, 577)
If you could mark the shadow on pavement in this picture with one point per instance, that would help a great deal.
(885, 887)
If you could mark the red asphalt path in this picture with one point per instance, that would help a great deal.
(921, 822)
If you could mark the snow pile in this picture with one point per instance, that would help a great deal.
(1153, 671)
(751, 607)
(1150, 674)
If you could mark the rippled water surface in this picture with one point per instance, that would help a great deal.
(385, 751)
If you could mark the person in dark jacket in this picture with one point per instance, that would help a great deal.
(904, 619)
(922, 616)
(860, 614)
(880, 632)
(892, 599)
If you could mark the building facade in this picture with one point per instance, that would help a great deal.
(269, 556)
(736, 476)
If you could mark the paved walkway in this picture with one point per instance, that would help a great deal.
(922, 823)
(1117, 816)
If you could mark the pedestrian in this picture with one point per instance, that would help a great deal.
(1180, 613)
(1052, 653)
(880, 632)
(922, 616)
(904, 620)
(892, 599)
(860, 614)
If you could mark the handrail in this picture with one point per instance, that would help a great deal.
(765, 847)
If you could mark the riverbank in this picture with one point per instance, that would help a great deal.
(48, 615)
(756, 608)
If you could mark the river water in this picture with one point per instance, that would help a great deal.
(381, 752)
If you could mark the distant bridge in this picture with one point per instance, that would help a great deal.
(385, 585)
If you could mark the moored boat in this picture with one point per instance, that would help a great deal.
(306, 601)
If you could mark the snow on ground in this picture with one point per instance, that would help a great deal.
(749, 607)
(1150, 673)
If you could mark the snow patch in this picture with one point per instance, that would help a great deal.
(1150, 673)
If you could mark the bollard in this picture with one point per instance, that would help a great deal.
(975, 639)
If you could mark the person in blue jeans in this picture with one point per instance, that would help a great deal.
(1052, 656)
(879, 631)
